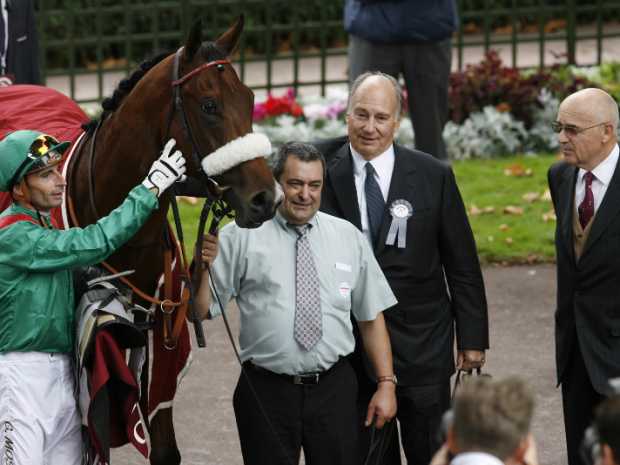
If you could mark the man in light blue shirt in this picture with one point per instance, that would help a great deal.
(308, 390)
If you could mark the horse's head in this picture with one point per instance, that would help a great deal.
(216, 110)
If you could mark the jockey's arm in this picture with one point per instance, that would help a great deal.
(203, 296)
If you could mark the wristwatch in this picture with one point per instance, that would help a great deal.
(391, 379)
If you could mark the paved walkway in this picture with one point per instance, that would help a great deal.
(521, 303)
(336, 67)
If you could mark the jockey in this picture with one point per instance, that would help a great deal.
(39, 420)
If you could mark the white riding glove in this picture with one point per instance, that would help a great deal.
(167, 169)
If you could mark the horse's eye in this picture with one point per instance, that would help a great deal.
(209, 107)
(220, 67)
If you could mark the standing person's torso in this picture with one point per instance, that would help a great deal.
(36, 307)
(401, 21)
(257, 267)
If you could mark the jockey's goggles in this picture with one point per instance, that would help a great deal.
(45, 151)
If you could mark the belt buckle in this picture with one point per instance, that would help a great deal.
(310, 378)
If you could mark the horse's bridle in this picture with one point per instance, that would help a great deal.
(177, 107)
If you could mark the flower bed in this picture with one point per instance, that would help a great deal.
(494, 110)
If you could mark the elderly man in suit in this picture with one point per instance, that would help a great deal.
(585, 187)
(409, 207)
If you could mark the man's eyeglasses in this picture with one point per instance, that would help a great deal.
(570, 129)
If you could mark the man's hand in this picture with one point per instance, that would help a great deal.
(167, 169)
(470, 359)
(382, 405)
(209, 249)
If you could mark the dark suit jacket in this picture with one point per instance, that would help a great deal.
(588, 295)
(440, 249)
(23, 46)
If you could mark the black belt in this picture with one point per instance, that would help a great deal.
(302, 378)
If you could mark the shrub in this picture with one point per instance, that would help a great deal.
(490, 83)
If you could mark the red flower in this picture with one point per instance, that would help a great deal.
(276, 106)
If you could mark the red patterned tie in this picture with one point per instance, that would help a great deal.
(586, 207)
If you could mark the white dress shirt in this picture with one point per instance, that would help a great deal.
(476, 458)
(5, 25)
(384, 166)
(257, 267)
(602, 177)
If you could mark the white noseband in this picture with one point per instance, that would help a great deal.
(235, 152)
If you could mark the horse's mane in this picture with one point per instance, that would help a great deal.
(123, 89)
(209, 50)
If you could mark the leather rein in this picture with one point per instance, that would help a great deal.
(220, 210)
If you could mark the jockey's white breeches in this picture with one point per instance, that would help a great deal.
(39, 421)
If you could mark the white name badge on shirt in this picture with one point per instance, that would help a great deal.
(343, 267)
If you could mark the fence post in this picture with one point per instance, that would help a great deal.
(571, 31)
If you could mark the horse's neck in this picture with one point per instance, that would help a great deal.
(118, 165)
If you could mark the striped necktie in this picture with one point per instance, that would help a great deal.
(375, 205)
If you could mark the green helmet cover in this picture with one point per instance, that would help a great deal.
(24, 151)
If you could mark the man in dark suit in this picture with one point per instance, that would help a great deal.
(585, 188)
(19, 45)
(409, 207)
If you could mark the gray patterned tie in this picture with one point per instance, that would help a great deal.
(308, 319)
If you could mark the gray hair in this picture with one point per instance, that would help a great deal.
(398, 93)
(300, 150)
(492, 416)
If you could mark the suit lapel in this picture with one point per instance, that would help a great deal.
(567, 201)
(343, 185)
(608, 209)
(403, 182)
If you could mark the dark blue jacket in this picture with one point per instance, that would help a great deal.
(401, 21)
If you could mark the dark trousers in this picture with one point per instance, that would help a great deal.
(578, 402)
(321, 418)
(420, 409)
(426, 70)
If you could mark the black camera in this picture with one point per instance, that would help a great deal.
(446, 422)
(591, 444)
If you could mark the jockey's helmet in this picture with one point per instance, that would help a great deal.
(25, 152)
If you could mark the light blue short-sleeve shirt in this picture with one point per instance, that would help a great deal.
(257, 268)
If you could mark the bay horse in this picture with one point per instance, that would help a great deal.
(216, 108)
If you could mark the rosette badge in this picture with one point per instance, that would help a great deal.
(401, 211)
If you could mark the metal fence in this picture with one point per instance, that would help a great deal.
(93, 43)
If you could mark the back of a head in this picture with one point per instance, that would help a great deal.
(492, 416)
(607, 422)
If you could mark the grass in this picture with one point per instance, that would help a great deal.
(190, 217)
(501, 237)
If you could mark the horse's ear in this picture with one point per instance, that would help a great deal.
(194, 40)
(228, 41)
